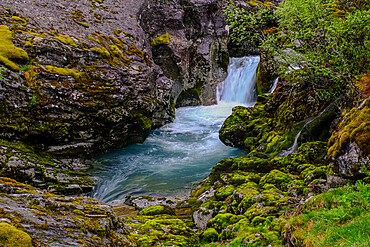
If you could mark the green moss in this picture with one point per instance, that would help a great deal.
(355, 127)
(98, 17)
(209, 235)
(116, 52)
(276, 177)
(161, 230)
(223, 192)
(63, 71)
(117, 32)
(8, 51)
(221, 221)
(164, 39)
(12, 237)
(158, 209)
(101, 50)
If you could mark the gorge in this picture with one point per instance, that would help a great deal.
(181, 123)
(178, 155)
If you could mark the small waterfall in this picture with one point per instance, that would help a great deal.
(294, 147)
(272, 89)
(240, 84)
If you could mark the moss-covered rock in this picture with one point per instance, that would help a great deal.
(161, 230)
(276, 177)
(221, 221)
(51, 219)
(9, 53)
(349, 147)
(209, 235)
(22, 162)
(12, 237)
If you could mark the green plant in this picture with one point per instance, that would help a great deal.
(26, 68)
(33, 100)
(335, 218)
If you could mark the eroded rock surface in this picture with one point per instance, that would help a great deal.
(196, 56)
(53, 220)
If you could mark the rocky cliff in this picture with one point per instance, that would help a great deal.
(88, 76)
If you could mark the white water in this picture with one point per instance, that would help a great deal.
(240, 84)
(294, 147)
(178, 155)
(274, 85)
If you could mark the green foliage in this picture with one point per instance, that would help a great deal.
(248, 25)
(334, 218)
(33, 100)
(326, 37)
(26, 68)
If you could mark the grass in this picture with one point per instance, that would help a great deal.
(336, 218)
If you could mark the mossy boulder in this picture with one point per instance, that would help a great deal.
(161, 230)
(276, 177)
(51, 219)
(13, 237)
(22, 162)
(221, 221)
(209, 235)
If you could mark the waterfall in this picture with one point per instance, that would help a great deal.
(240, 84)
(294, 147)
(272, 89)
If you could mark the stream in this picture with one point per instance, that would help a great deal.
(177, 156)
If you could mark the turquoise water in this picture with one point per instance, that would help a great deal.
(172, 159)
(177, 156)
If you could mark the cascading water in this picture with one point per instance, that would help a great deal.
(178, 155)
(274, 85)
(240, 84)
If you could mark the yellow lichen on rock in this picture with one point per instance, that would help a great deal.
(164, 39)
(12, 237)
(20, 20)
(65, 39)
(63, 71)
(8, 51)
(355, 127)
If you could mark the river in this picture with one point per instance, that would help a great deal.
(178, 155)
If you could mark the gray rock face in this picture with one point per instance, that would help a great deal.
(350, 163)
(196, 57)
(53, 220)
(90, 84)
(93, 82)
(58, 176)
